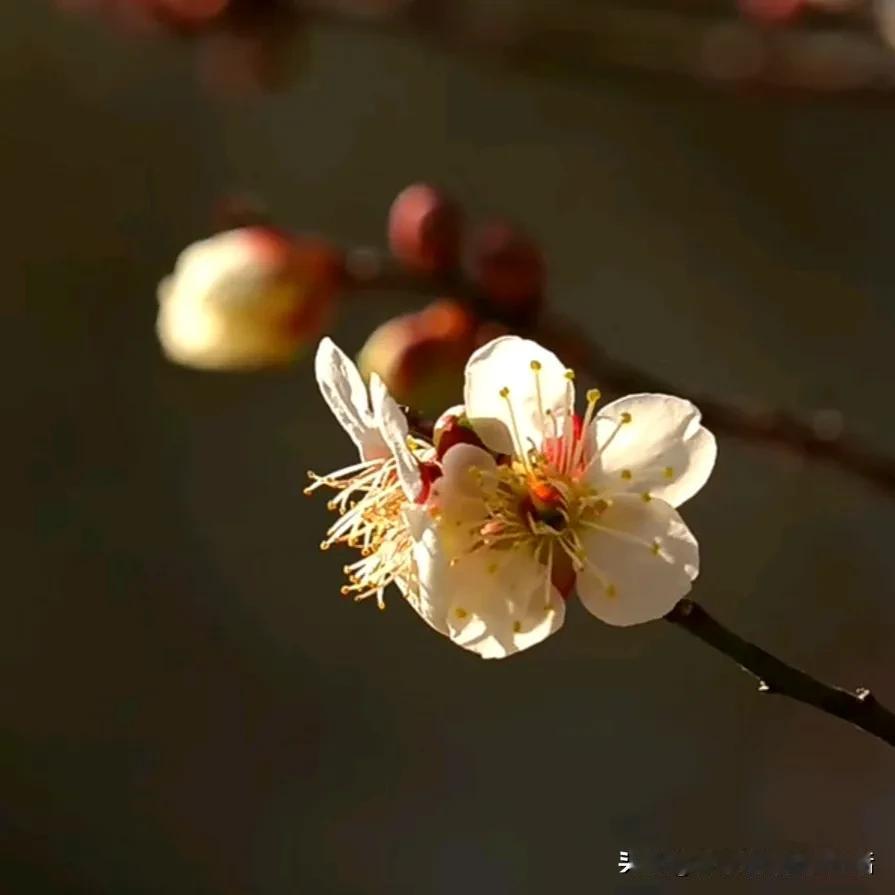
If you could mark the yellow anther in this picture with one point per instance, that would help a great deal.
(626, 417)
(344, 590)
(324, 545)
(570, 375)
(611, 591)
(460, 612)
(517, 627)
(594, 395)
(627, 475)
(536, 365)
(504, 392)
(647, 497)
(656, 548)
(668, 472)
(381, 607)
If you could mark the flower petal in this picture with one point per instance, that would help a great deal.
(392, 426)
(344, 391)
(491, 602)
(654, 444)
(518, 419)
(640, 561)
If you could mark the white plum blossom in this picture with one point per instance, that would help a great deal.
(519, 502)
(547, 501)
(374, 495)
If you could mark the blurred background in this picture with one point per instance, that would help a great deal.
(188, 704)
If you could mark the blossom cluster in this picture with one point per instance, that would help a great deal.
(515, 501)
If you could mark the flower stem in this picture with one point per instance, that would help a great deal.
(774, 676)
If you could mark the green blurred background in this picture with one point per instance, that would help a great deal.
(187, 704)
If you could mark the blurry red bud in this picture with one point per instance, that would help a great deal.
(507, 267)
(424, 229)
(421, 356)
(193, 11)
(771, 11)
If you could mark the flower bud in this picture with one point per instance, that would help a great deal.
(771, 11)
(192, 12)
(424, 229)
(421, 356)
(506, 266)
(246, 298)
(451, 429)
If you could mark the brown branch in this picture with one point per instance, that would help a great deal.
(775, 676)
(652, 37)
(771, 427)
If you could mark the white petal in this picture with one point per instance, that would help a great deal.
(491, 602)
(467, 473)
(663, 450)
(344, 391)
(506, 363)
(639, 564)
(392, 426)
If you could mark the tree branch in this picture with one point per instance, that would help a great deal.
(771, 427)
(653, 37)
(775, 676)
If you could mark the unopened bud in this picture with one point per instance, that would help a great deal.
(507, 267)
(247, 298)
(421, 356)
(771, 11)
(454, 429)
(424, 229)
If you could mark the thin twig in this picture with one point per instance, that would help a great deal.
(708, 41)
(775, 676)
(771, 427)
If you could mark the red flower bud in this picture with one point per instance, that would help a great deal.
(771, 11)
(421, 356)
(454, 430)
(507, 267)
(424, 229)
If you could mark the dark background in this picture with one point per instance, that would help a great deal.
(187, 705)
